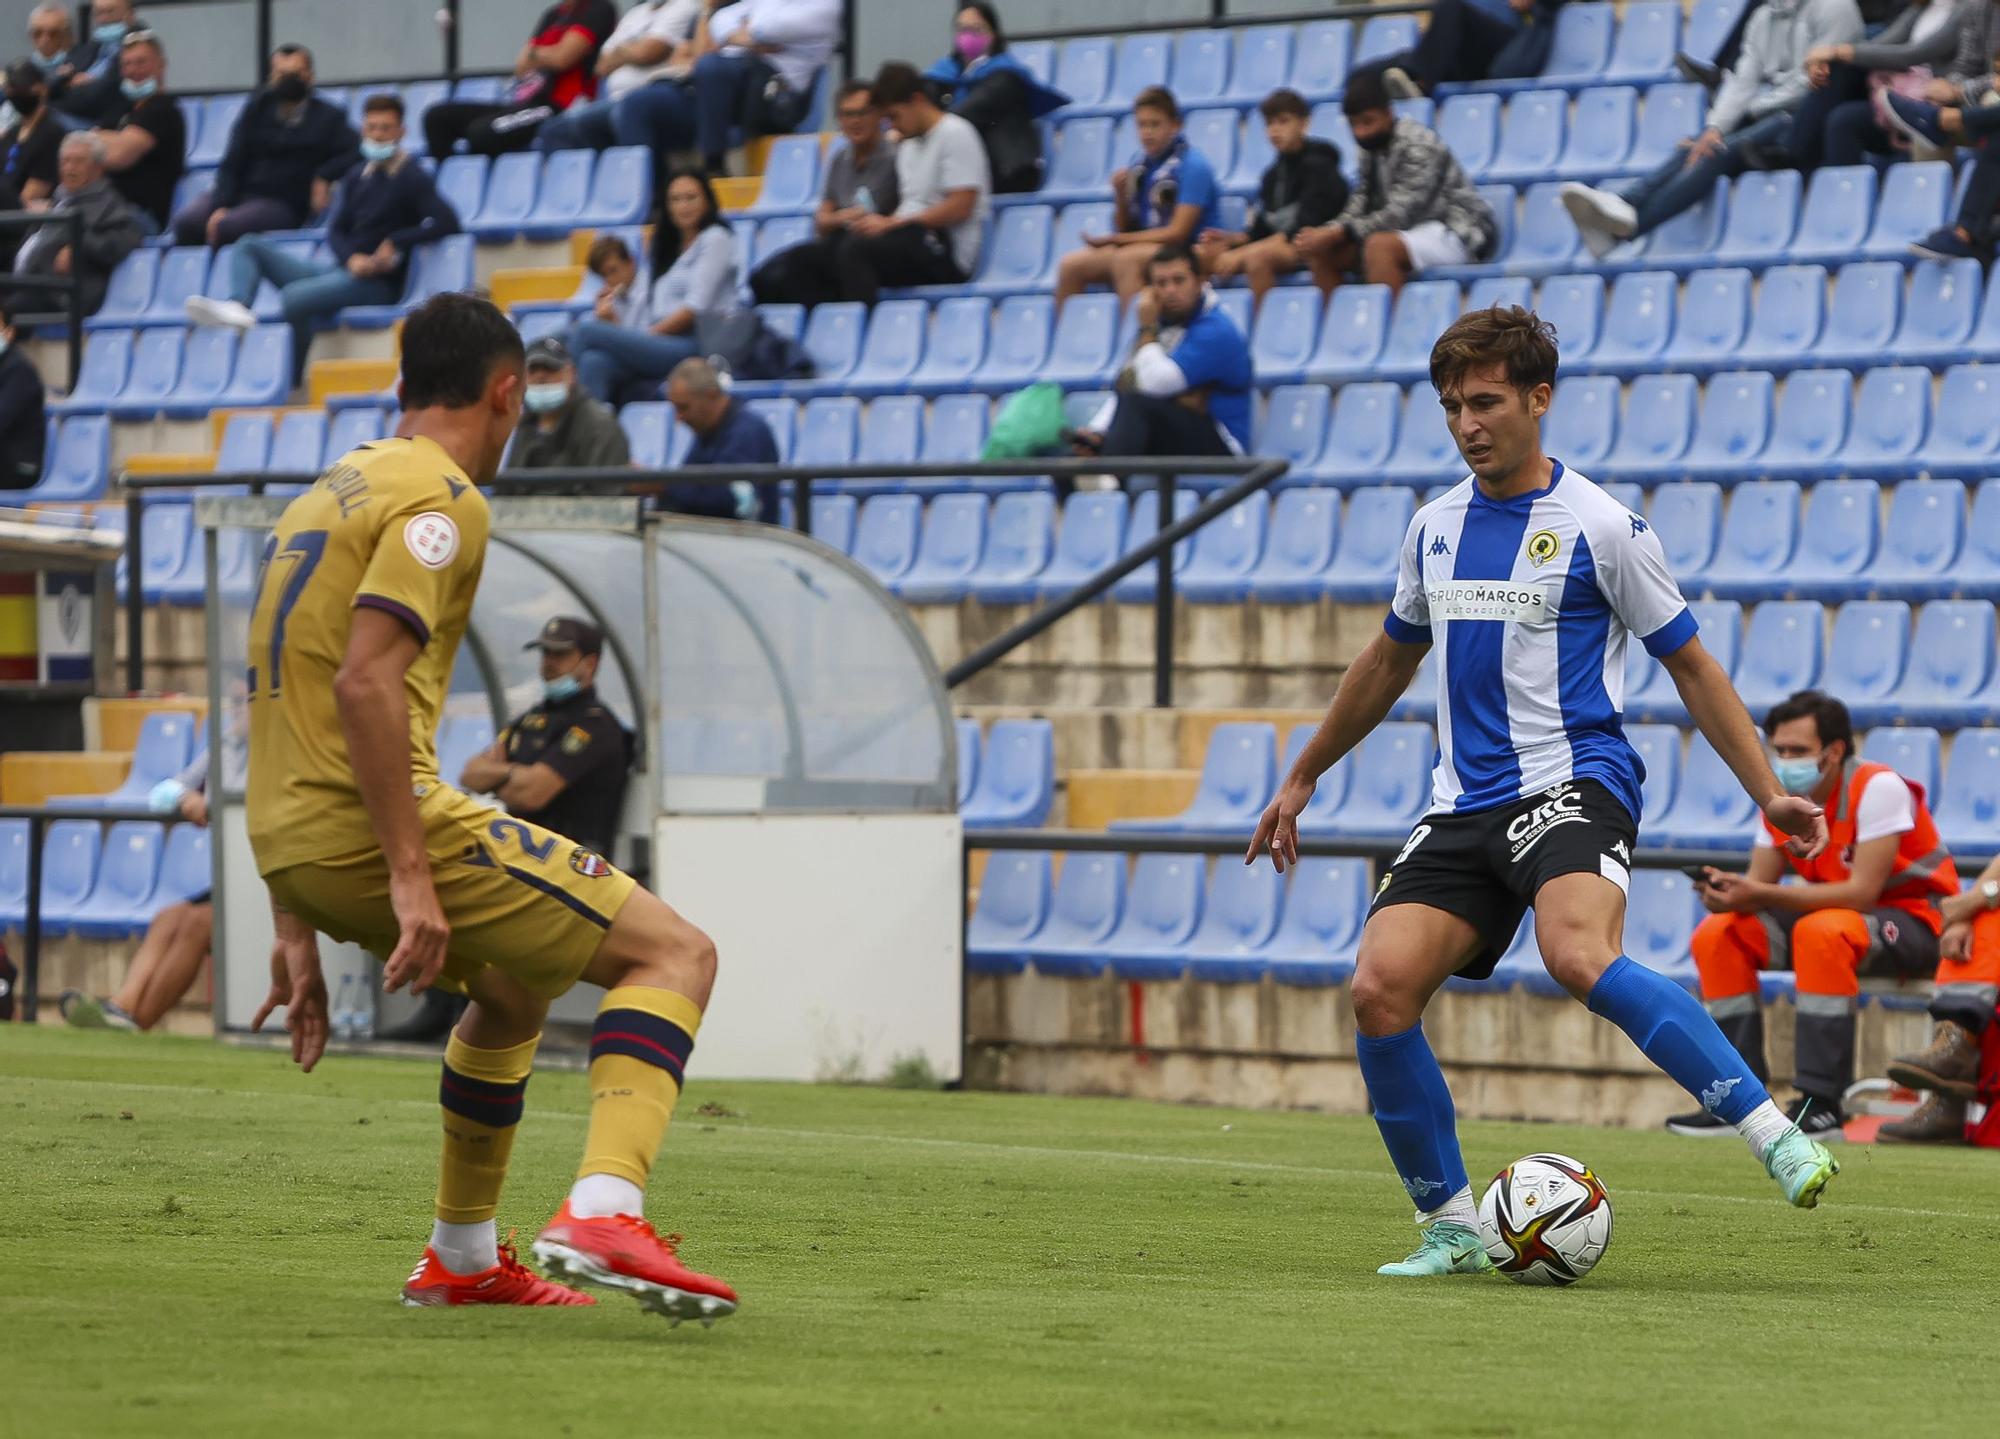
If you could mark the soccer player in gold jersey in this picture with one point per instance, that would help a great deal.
(362, 598)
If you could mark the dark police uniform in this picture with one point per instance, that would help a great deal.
(581, 741)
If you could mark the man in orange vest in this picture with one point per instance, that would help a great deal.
(1966, 993)
(1869, 904)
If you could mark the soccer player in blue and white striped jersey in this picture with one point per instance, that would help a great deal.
(1531, 582)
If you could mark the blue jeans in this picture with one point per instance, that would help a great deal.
(1678, 186)
(307, 290)
(660, 116)
(610, 356)
(719, 82)
(580, 127)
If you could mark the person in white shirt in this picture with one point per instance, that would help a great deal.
(757, 62)
(646, 61)
(946, 188)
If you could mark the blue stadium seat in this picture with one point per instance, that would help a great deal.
(1213, 133)
(1839, 533)
(1581, 431)
(780, 232)
(69, 869)
(1317, 936)
(1714, 319)
(1968, 806)
(1833, 225)
(1253, 157)
(1671, 114)
(833, 339)
(1763, 215)
(351, 427)
(1143, 524)
(833, 519)
(219, 116)
(1985, 343)
(1020, 535)
(1143, 59)
(119, 904)
(1949, 679)
(78, 464)
(1544, 238)
(1600, 137)
(647, 424)
(1920, 539)
(621, 188)
(1574, 304)
(1391, 784)
(791, 177)
(956, 434)
(1659, 749)
(1469, 125)
(1285, 332)
(1687, 521)
(1914, 751)
(1225, 554)
(1785, 322)
(1501, 290)
(263, 371)
(1891, 416)
(1914, 200)
(435, 268)
(1581, 49)
(511, 187)
(156, 369)
(889, 353)
(166, 739)
(130, 292)
(1162, 908)
(1299, 548)
(461, 181)
(1352, 334)
(1294, 427)
(1782, 652)
(1082, 346)
(1013, 905)
(1201, 66)
(1865, 657)
(418, 97)
(1660, 913)
(1424, 447)
(1943, 307)
(1708, 25)
(1710, 809)
(1966, 434)
(1531, 135)
(1648, 35)
(564, 192)
(1686, 242)
(1017, 257)
(1733, 427)
(948, 549)
(168, 527)
(780, 415)
(1262, 63)
(485, 89)
(1361, 435)
(1861, 320)
(1384, 35)
(1088, 901)
(829, 429)
(955, 346)
(184, 865)
(298, 444)
(1039, 56)
(1018, 345)
(1811, 424)
(786, 320)
(1092, 536)
(206, 361)
(892, 433)
(968, 734)
(1658, 424)
(1423, 310)
(1238, 919)
(1238, 776)
(1321, 59)
(1759, 535)
(1082, 163)
(246, 444)
(1638, 326)
(1016, 774)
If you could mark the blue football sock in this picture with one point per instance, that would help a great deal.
(1413, 1110)
(1677, 1034)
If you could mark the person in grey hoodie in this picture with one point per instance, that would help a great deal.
(110, 229)
(1749, 124)
(1836, 124)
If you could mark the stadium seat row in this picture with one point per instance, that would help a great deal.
(102, 882)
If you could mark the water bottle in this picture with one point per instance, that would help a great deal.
(339, 1021)
(361, 1016)
(864, 198)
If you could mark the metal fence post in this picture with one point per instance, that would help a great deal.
(31, 929)
(1163, 604)
(135, 592)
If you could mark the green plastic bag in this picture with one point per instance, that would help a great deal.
(1030, 423)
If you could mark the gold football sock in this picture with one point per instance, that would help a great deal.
(638, 1049)
(481, 1093)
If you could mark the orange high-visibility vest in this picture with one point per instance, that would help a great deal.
(1923, 872)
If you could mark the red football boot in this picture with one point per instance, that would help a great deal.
(507, 1282)
(622, 1251)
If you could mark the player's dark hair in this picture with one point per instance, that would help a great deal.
(1285, 102)
(853, 88)
(1829, 716)
(1519, 340)
(377, 103)
(898, 82)
(666, 234)
(451, 345)
(1158, 97)
(1365, 91)
(1173, 254)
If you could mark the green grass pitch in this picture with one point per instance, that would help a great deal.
(202, 1242)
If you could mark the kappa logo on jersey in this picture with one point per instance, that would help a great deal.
(432, 538)
(1439, 547)
(1525, 831)
(1543, 546)
(1639, 527)
(588, 863)
(1622, 850)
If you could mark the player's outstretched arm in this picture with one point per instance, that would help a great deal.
(1374, 682)
(298, 985)
(1718, 712)
(375, 718)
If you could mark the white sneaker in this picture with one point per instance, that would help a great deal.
(227, 313)
(1602, 218)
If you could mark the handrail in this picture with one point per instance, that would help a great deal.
(1134, 841)
(70, 316)
(1219, 19)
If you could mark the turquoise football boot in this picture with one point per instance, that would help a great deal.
(1802, 1167)
(1448, 1248)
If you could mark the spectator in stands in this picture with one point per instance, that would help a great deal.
(556, 69)
(981, 82)
(176, 942)
(1303, 187)
(1973, 121)
(726, 432)
(943, 194)
(697, 271)
(757, 61)
(1464, 41)
(386, 207)
(624, 288)
(87, 83)
(1930, 49)
(562, 427)
(51, 38)
(23, 417)
(146, 143)
(110, 229)
(1413, 211)
(1868, 905)
(285, 152)
(1749, 124)
(860, 180)
(646, 61)
(30, 143)
(1964, 993)
(1186, 389)
(1167, 195)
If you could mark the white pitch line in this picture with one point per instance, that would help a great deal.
(1037, 1151)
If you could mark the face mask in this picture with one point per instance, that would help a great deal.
(562, 687)
(1798, 776)
(376, 151)
(972, 44)
(166, 796)
(49, 64)
(543, 398)
(138, 89)
(1378, 142)
(109, 34)
(24, 104)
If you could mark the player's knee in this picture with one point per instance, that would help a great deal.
(1575, 958)
(1383, 1005)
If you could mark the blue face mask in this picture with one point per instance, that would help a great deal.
(376, 151)
(49, 64)
(1798, 776)
(109, 34)
(543, 398)
(138, 89)
(562, 687)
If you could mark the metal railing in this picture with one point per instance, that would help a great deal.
(69, 287)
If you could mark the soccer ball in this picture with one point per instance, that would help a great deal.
(1546, 1220)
